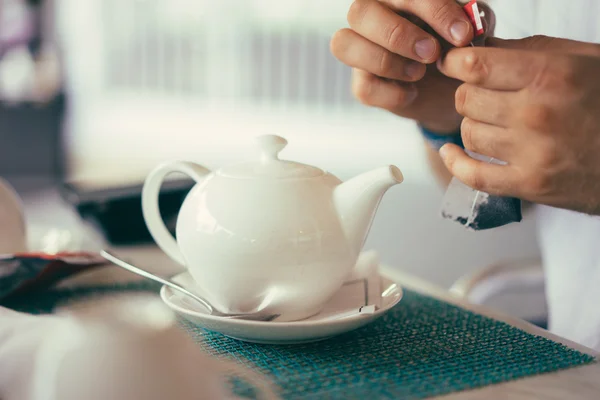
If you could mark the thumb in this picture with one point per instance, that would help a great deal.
(547, 43)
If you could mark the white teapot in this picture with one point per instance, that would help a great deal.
(268, 235)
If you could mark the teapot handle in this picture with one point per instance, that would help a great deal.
(151, 211)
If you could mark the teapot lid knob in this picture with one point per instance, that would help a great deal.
(268, 164)
(270, 146)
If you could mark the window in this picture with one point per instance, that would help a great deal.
(191, 76)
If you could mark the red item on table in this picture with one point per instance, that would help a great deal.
(31, 272)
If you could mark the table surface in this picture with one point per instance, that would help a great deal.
(576, 383)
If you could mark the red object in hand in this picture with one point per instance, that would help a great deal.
(472, 10)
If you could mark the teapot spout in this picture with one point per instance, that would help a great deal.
(357, 200)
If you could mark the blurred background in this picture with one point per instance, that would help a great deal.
(95, 93)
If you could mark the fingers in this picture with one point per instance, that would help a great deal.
(484, 105)
(489, 140)
(379, 24)
(446, 17)
(494, 68)
(500, 180)
(356, 51)
(377, 92)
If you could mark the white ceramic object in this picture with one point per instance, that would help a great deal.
(268, 235)
(129, 349)
(21, 336)
(13, 238)
(326, 324)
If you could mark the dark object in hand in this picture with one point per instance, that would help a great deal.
(478, 210)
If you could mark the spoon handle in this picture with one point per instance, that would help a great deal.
(153, 277)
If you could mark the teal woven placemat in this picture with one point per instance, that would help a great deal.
(422, 348)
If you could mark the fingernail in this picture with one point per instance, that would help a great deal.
(443, 151)
(414, 70)
(425, 48)
(411, 96)
(459, 30)
(439, 63)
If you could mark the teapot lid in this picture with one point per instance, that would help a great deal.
(268, 164)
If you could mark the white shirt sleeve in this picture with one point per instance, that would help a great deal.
(515, 19)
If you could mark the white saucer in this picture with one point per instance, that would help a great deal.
(315, 328)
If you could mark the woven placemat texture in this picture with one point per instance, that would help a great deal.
(423, 347)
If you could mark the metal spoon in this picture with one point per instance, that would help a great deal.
(258, 316)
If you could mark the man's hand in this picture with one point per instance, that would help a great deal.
(393, 54)
(535, 104)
